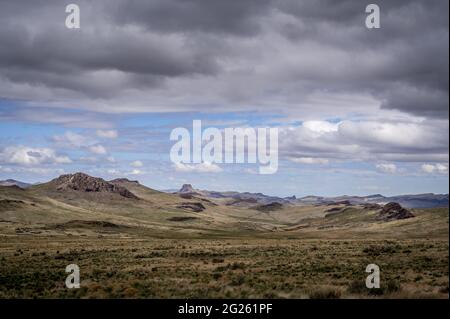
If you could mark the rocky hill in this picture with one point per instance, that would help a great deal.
(394, 211)
(186, 189)
(85, 183)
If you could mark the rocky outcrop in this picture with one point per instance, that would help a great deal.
(85, 183)
(333, 210)
(186, 189)
(394, 211)
(269, 207)
(194, 207)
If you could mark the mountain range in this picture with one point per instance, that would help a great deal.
(82, 205)
(428, 200)
(13, 182)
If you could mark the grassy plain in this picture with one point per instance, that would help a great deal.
(155, 247)
(226, 268)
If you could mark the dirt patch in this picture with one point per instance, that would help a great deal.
(181, 218)
(87, 224)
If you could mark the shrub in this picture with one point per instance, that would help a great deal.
(238, 280)
(359, 287)
(217, 260)
(325, 293)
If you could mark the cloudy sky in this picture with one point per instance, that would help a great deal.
(359, 110)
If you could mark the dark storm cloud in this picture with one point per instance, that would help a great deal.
(413, 42)
(235, 55)
(239, 18)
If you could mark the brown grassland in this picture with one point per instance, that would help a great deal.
(152, 248)
(227, 268)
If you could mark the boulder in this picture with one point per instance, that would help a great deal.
(394, 211)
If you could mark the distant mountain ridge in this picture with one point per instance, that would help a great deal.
(84, 182)
(259, 198)
(13, 182)
(427, 200)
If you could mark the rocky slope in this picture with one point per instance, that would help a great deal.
(85, 183)
(394, 211)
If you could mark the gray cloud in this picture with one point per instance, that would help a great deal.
(237, 18)
(274, 55)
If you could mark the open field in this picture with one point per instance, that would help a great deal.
(159, 245)
(229, 268)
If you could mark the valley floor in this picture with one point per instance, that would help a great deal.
(34, 267)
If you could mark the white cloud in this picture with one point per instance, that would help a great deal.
(89, 159)
(118, 172)
(137, 164)
(33, 170)
(321, 126)
(406, 140)
(107, 133)
(198, 168)
(23, 155)
(401, 135)
(428, 168)
(387, 168)
(310, 160)
(97, 149)
(435, 168)
(70, 139)
(135, 172)
(75, 140)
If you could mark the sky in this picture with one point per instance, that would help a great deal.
(359, 111)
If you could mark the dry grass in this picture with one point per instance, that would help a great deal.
(233, 268)
(150, 248)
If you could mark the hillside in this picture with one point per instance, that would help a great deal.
(60, 206)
